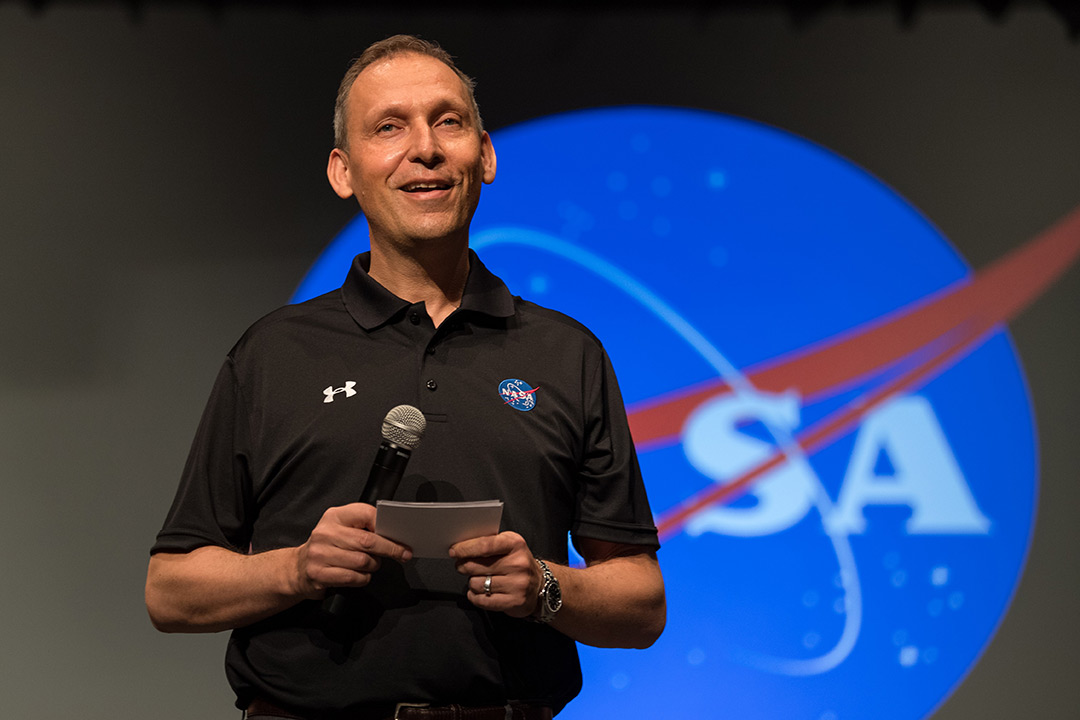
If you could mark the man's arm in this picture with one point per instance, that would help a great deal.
(616, 600)
(213, 588)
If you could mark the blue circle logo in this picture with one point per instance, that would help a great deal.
(518, 394)
(832, 423)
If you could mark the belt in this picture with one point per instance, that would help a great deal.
(407, 711)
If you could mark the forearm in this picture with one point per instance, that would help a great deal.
(615, 602)
(211, 588)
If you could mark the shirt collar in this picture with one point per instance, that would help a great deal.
(372, 305)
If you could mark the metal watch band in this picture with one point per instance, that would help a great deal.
(550, 595)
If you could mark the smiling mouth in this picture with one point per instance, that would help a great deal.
(425, 187)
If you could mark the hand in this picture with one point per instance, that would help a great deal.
(515, 574)
(343, 551)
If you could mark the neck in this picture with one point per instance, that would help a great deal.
(434, 275)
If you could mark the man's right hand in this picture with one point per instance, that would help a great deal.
(343, 551)
(213, 588)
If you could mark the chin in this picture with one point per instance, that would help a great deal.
(431, 232)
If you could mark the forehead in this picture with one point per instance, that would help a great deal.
(406, 80)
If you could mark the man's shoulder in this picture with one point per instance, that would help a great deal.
(291, 324)
(533, 315)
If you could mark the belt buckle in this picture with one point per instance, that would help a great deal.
(400, 705)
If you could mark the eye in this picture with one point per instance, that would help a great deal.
(452, 121)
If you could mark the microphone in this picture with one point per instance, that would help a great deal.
(402, 429)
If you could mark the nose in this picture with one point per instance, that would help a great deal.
(425, 147)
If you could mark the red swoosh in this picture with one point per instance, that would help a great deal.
(945, 326)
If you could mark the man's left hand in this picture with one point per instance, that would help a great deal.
(506, 559)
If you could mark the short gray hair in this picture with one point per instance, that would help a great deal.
(382, 50)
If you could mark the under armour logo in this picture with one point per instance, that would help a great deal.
(331, 391)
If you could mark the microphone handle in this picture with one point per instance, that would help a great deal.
(386, 473)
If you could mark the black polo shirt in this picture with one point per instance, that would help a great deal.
(522, 405)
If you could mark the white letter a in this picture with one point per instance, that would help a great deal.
(926, 475)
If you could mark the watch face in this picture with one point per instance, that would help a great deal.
(553, 596)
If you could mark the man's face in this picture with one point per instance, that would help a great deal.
(415, 160)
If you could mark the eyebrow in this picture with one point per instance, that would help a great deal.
(401, 109)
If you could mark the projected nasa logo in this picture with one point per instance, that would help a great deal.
(833, 427)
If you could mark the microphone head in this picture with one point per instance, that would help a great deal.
(404, 425)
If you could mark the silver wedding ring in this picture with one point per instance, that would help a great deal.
(487, 585)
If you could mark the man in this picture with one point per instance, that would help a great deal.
(265, 521)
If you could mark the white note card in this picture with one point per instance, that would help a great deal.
(431, 528)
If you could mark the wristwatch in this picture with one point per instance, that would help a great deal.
(550, 595)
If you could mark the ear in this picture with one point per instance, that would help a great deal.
(337, 172)
(487, 158)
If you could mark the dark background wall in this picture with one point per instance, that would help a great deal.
(162, 186)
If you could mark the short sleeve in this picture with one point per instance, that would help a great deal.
(612, 504)
(213, 503)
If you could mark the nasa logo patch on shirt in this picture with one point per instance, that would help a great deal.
(518, 394)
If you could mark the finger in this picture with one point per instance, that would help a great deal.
(351, 560)
(514, 563)
(480, 567)
(325, 566)
(510, 603)
(487, 546)
(478, 597)
(374, 544)
(328, 566)
(340, 577)
(356, 515)
(356, 540)
(479, 585)
(514, 585)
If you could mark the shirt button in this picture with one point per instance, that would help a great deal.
(432, 385)
(414, 317)
(431, 350)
